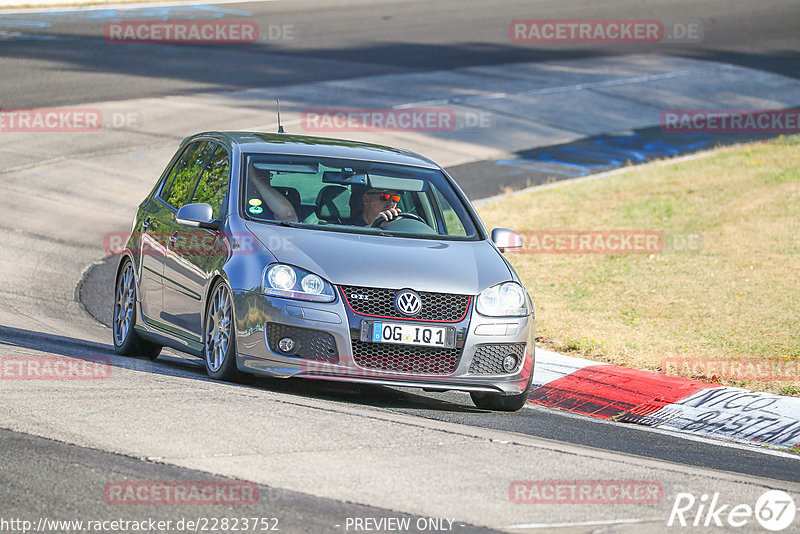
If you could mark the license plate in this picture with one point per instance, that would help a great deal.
(408, 334)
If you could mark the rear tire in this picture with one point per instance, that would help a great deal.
(219, 335)
(126, 340)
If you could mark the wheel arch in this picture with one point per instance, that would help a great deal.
(125, 255)
(217, 276)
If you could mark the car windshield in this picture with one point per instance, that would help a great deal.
(329, 194)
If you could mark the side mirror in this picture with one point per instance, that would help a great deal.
(197, 215)
(507, 240)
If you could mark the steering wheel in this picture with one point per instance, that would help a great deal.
(381, 220)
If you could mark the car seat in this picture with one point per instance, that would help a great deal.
(333, 204)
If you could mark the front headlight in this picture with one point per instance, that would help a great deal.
(503, 300)
(293, 283)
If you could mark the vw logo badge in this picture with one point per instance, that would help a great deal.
(408, 302)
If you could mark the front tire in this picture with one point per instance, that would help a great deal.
(126, 340)
(219, 336)
(502, 403)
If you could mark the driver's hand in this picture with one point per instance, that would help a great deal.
(389, 214)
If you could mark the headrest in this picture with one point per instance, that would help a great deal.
(291, 194)
(333, 202)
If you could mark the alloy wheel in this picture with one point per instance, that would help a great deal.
(123, 305)
(218, 329)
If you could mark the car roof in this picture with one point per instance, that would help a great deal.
(306, 145)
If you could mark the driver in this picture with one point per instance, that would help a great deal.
(377, 203)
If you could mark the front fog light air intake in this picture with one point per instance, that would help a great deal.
(509, 363)
(286, 344)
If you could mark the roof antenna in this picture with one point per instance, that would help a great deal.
(280, 128)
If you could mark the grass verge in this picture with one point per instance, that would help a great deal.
(720, 302)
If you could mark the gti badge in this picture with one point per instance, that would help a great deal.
(408, 302)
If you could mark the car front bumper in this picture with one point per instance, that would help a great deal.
(330, 349)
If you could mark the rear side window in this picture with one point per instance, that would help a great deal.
(213, 186)
(182, 185)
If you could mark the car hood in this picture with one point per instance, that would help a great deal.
(461, 267)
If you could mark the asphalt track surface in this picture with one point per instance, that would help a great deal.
(63, 60)
(591, 155)
(95, 294)
(57, 477)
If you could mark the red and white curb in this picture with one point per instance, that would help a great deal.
(653, 399)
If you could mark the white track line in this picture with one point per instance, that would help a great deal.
(584, 523)
(716, 441)
(74, 5)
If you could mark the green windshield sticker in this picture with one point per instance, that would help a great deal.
(255, 210)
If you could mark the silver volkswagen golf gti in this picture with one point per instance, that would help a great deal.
(295, 256)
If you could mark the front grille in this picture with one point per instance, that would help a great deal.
(488, 359)
(379, 302)
(310, 344)
(405, 359)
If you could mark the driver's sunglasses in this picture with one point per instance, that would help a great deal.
(388, 196)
